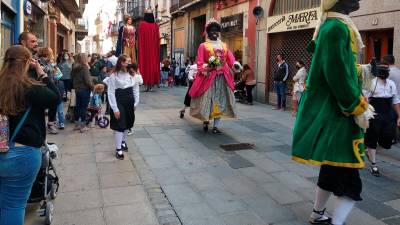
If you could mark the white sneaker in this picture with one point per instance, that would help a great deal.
(51, 128)
(130, 132)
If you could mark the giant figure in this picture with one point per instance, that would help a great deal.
(333, 113)
(149, 50)
(127, 40)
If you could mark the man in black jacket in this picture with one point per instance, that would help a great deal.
(280, 77)
(29, 40)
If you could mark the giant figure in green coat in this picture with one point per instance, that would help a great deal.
(333, 113)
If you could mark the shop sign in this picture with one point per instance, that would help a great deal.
(28, 7)
(232, 24)
(294, 21)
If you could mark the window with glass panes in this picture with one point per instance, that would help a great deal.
(7, 30)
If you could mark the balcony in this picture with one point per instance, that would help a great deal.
(80, 29)
(177, 5)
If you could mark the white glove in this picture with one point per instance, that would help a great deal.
(362, 120)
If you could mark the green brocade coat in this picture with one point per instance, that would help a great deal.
(325, 132)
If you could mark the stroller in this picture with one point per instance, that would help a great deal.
(240, 92)
(70, 109)
(100, 119)
(45, 187)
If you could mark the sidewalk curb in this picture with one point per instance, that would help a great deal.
(165, 212)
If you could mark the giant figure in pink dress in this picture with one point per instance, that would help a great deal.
(212, 90)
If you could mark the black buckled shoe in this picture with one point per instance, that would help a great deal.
(181, 114)
(216, 131)
(205, 126)
(124, 146)
(119, 156)
(320, 220)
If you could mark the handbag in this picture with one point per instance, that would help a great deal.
(5, 143)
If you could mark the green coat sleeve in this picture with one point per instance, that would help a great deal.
(339, 69)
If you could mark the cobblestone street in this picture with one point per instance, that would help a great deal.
(177, 174)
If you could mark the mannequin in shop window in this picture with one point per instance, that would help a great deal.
(127, 40)
(149, 50)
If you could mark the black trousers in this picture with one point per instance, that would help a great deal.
(249, 92)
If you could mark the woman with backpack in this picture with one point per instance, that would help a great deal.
(23, 101)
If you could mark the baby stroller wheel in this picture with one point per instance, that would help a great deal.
(53, 191)
(49, 213)
(103, 122)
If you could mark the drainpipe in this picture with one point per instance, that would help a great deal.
(19, 25)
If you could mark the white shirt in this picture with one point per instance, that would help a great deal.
(394, 75)
(121, 80)
(383, 90)
(192, 71)
(300, 79)
(113, 59)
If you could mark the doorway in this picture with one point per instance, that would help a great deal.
(378, 44)
(199, 24)
(60, 43)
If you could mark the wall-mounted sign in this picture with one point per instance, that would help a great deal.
(232, 23)
(294, 21)
(28, 7)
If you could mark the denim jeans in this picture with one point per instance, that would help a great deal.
(82, 102)
(60, 113)
(280, 88)
(18, 170)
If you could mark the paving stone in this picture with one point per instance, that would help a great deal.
(121, 179)
(151, 151)
(395, 204)
(181, 194)
(204, 181)
(392, 221)
(213, 221)
(224, 202)
(280, 193)
(115, 167)
(77, 201)
(292, 180)
(109, 156)
(243, 218)
(302, 210)
(236, 161)
(221, 171)
(123, 195)
(293, 222)
(257, 175)
(267, 165)
(242, 186)
(79, 183)
(154, 130)
(190, 212)
(85, 169)
(77, 159)
(159, 162)
(134, 214)
(375, 208)
(91, 216)
(359, 217)
(302, 170)
(269, 210)
(250, 154)
(278, 157)
(168, 176)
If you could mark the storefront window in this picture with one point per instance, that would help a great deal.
(288, 6)
(7, 30)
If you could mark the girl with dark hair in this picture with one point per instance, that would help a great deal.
(123, 95)
(212, 90)
(299, 85)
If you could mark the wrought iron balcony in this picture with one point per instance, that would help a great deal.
(176, 5)
(81, 30)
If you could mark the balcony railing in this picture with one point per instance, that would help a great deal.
(177, 4)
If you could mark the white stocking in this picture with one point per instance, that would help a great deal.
(321, 198)
(343, 207)
(119, 136)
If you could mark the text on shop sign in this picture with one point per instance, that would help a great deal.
(293, 21)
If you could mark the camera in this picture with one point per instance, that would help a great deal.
(380, 70)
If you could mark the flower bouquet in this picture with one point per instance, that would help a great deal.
(214, 61)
